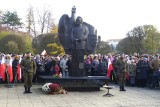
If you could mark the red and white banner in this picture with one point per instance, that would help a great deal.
(110, 68)
(19, 69)
(44, 52)
(10, 71)
(2, 68)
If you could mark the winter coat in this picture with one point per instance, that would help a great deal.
(132, 70)
(155, 64)
(142, 69)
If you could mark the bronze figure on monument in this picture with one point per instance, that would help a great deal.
(78, 39)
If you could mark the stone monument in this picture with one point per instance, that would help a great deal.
(78, 39)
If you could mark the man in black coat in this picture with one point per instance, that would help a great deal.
(15, 67)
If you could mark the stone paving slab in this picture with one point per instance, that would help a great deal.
(133, 97)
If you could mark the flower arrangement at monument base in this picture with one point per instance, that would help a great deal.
(56, 76)
(52, 88)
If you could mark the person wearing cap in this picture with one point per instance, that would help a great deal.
(28, 66)
(122, 69)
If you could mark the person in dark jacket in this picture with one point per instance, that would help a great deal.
(94, 68)
(115, 72)
(88, 66)
(40, 68)
(102, 68)
(68, 63)
(142, 72)
(15, 67)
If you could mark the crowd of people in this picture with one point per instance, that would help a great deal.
(133, 70)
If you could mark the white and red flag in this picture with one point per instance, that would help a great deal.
(44, 53)
(110, 68)
(10, 72)
(2, 68)
(19, 69)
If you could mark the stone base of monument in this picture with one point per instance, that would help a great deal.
(87, 83)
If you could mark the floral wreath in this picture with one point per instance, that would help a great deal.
(52, 88)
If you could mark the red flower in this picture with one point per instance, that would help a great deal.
(54, 87)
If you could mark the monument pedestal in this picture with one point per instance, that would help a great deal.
(77, 63)
(90, 83)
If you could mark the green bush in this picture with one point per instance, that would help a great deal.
(11, 42)
(3, 34)
(42, 41)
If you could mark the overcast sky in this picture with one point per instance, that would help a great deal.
(112, 18)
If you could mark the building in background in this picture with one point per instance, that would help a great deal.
(113, 43)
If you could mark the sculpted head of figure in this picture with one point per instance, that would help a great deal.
(79, 20)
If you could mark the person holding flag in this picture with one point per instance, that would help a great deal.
(110, 68)
(8, 62)
(19, 71)
(2, 67)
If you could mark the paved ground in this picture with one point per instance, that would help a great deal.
(133, 97)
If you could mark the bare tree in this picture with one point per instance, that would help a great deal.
(45, 20)
(29, 19)
(50, 23)
(39, 22)
(31, 22)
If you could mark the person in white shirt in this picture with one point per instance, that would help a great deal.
(64, 66)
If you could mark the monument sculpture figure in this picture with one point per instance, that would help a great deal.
(78, 38)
